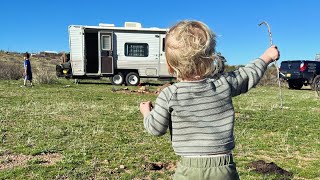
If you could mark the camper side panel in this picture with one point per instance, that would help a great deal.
(147, 66)
(76, 43)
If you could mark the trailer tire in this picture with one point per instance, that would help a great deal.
(76, 81)
(132, 79)
(117, 79)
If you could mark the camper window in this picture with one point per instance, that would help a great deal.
(163, 44)
(106, 42)
(137, 49)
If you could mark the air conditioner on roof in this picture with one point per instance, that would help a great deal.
(106, 25)
(132, 25)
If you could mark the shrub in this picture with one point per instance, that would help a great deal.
(270, 78)
(44, 74)
(11, 70)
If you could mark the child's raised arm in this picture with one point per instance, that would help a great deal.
(271, 54)
(244, 78)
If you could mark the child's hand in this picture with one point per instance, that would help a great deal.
(145, 108)
(271, 54)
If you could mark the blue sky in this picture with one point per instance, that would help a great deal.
(35, 26)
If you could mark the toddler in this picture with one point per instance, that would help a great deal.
(198, 109)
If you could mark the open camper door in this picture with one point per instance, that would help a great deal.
(163, 70)
(106, 52)
(76, 43)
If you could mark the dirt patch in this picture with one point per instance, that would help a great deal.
(261, 166)
(159, 166)
(140, 90)
(9, 160)
(49, 159)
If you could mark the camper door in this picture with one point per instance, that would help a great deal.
(163, 70)
(106, 52)
(76, 43)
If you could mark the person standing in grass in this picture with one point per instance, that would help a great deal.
(27, 69)
(198, 109)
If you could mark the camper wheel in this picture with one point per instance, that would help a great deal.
(76, 81)
(117, 79)
(132, 79)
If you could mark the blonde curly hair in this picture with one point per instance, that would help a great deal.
(190, 48)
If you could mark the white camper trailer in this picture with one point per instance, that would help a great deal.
(125, 54)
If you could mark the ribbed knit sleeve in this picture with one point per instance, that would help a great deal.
(244, 78)
(157, 122)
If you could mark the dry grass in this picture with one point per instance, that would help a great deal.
(9, 161)
(44, 73)
(12, 68)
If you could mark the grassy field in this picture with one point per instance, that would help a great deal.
(87, 131)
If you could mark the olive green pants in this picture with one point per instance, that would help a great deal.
(208, 168)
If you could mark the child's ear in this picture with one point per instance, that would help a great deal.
(170, 69)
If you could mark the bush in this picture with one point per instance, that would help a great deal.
(270, 78)
(44, 74)
(12, 70)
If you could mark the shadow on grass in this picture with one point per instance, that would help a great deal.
(303, 89)
(97, 82)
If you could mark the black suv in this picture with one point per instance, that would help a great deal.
(300, 72)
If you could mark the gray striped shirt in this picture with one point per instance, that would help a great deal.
(200, 114)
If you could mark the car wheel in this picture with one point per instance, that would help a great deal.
(295, 84)
(316, 83)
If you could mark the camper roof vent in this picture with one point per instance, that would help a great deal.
(132, 25)
(106, 25)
